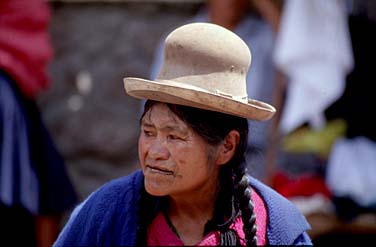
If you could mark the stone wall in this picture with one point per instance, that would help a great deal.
(93, 122)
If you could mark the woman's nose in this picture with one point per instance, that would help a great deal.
(158, 150)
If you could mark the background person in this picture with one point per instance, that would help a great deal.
(35, 189)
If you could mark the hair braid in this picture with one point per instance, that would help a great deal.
(244, 202)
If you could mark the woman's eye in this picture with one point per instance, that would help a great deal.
(174, 137)
(148, 133)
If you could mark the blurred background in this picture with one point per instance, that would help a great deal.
(313, 60)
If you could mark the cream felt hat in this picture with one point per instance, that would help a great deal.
(205, 66)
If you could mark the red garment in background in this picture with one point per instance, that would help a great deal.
(304, 185)
(25, 48)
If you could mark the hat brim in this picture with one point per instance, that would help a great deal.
(177, 93)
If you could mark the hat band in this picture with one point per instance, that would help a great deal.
(243, 99)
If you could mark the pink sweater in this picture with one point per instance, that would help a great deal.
(160, 234)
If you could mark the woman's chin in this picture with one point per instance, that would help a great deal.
(154, 189)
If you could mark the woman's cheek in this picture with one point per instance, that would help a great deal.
(142, 149)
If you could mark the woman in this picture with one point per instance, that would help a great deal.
(193, 188)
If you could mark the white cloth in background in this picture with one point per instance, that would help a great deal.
(351, 170)
(313, 49)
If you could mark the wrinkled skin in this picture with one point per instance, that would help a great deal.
(175, 160)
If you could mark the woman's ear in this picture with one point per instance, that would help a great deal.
(228, 147)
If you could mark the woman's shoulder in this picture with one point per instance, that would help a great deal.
(268, 194)
(116, 191)
(121, 185)
(285, 222)
(114, 201)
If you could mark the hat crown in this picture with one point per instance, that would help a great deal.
(208, 57)
(205, 67)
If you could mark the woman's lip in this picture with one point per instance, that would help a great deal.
(157, 169)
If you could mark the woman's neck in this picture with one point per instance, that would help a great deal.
(190, 215)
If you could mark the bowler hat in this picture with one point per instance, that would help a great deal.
(205, 66)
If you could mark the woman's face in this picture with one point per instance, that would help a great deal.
(175, 160)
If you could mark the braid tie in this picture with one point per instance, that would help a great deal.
(228, 238)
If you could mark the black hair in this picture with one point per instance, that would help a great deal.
(234, 197)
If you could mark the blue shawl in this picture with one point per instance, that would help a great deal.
(108, 217)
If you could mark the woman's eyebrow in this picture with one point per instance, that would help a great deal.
(147, 124)
(174, 128)
(168, 128)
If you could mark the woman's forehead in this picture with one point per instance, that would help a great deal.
(160, 114)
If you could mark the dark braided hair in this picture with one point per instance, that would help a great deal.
(234, 197)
